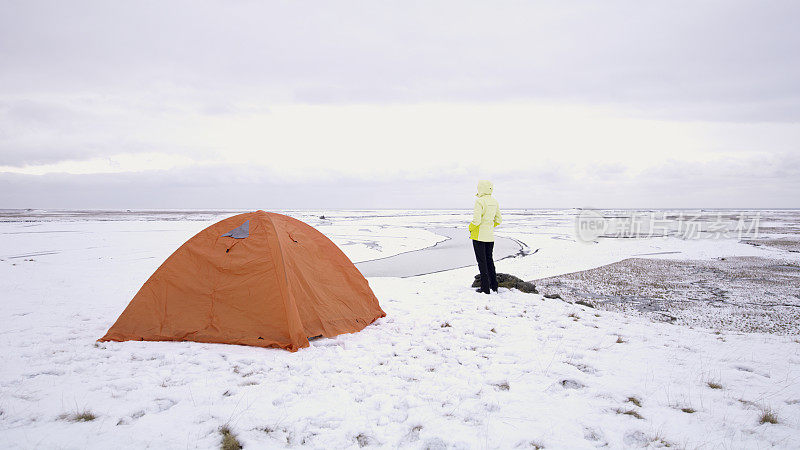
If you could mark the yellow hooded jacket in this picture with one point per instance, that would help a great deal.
(486, 215)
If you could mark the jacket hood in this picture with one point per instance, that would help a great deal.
(484, 188)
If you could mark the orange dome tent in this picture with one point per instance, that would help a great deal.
(258, 278)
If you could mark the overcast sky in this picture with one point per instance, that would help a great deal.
(402, 104)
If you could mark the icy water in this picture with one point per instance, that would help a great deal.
(453, 253)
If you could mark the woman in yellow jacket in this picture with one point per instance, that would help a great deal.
(481, 231)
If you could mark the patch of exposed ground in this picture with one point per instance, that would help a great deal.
(747, 294)
(788, 243)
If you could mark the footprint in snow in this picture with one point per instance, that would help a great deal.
(582, 367)
(591, 434)
(163, 404)
(749, 369)
(636, 438)
(434, 443)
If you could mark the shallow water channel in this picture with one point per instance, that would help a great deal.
(453, 253)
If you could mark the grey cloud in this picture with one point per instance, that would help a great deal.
(716, 60)
(219, 109)
(34, 131)
(33, 112)
(765, 167)
(759, 182)
(19, 155)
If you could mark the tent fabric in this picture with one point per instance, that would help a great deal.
(284, 283)
(240, 232)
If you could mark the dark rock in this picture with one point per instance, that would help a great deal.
(511, 282)
(584, 303)
(572, 384)
(558, 296)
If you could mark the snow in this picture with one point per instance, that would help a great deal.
(447, 367)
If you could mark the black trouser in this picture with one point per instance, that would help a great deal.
(483, 253)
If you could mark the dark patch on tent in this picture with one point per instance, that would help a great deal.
(240, 232)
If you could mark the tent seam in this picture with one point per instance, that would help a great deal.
(285, 286)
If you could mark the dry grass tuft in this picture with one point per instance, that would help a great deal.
(446, 325)
(768, 416)
(504, 386)
(363, 440)
(229, 441)
(635, 401)
(629, 412)
(84, 416)
(535, 445)
(79, 416)
(714, 384)
(688, 410)
(620, 340)
(659, 441)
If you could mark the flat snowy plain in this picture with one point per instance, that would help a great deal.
(447, 367)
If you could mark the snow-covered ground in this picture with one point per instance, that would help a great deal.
(447, 367)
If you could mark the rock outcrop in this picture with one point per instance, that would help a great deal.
(509, 281)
